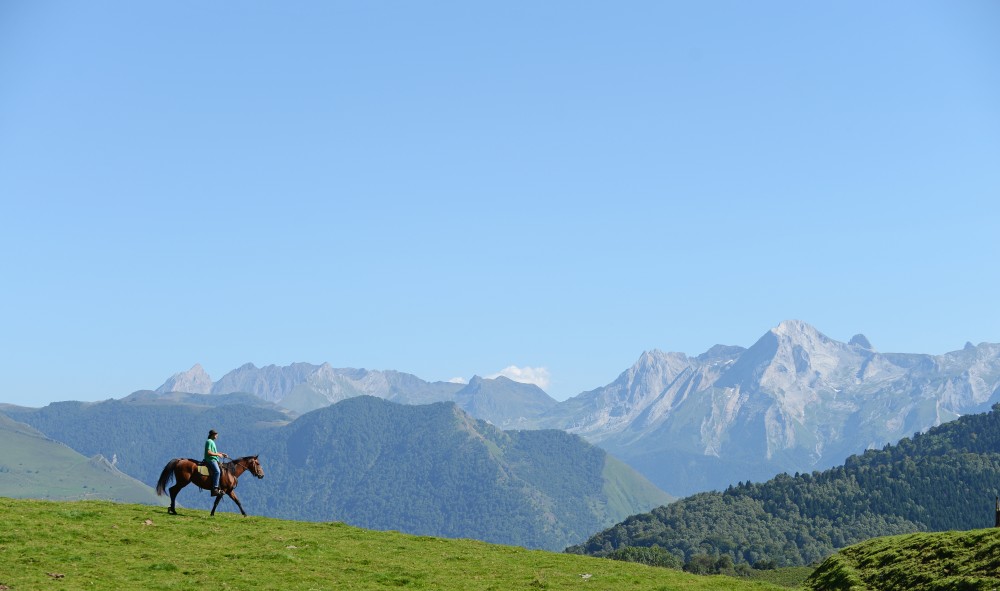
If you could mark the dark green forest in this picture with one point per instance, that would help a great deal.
(944, 479)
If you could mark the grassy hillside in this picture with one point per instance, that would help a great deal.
(34, 466)
(103, 545)
(966, 561)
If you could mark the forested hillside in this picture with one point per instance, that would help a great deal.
(940, 480)
(433, 469)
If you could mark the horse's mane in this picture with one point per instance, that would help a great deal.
(230, 466)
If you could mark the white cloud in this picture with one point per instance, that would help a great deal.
(458, 381)
(538, 376)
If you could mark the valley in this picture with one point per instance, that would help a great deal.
(500, 461)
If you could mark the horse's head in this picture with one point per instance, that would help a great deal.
(253, 464)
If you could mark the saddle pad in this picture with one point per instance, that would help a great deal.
(203, 470)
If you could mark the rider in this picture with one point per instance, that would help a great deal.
(212, 461)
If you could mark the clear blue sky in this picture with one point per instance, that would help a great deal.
(452, 188)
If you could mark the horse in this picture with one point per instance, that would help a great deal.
(185, 471)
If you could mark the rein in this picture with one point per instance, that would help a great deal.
(239, 462)
(230, 465)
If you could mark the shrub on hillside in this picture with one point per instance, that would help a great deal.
(652, 556)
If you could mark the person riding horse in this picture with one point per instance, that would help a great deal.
(222, 480)
(212, 456)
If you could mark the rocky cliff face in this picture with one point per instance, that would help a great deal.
(796, 400)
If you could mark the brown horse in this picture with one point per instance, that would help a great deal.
(185, 471)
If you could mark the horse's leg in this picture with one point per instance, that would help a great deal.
(173, 497)
(215, 504)
(222, 485)
(232, 495)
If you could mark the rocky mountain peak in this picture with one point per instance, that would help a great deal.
(792, 360)
(272, 383)
(194, 381)
(799, 332)
(861, 341)
(659, 362)
(721, 353)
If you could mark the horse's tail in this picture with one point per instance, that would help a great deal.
(166, 475)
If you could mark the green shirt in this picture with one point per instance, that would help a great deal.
(210, 447)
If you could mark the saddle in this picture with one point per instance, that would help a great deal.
(202, 468)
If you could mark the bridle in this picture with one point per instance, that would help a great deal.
(251, 467)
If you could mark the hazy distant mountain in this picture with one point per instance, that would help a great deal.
(503, 402)
(303, 387)
(794, 401)
(193, 381)
(198, 400)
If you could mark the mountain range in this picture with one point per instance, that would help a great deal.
(303, 387)
(796, 400)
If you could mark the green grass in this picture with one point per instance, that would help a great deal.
(947, 561)
(790, 576)
(105, 545)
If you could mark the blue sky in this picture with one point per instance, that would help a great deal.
(454, 188)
